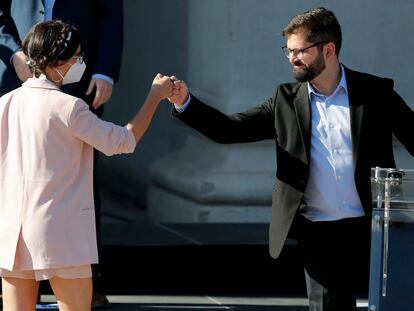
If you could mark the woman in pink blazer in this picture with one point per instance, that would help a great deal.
(47, 223)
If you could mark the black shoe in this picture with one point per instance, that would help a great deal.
(99, 300)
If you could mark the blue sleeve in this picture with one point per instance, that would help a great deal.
(9, 36)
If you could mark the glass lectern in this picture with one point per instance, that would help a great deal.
(391, 285)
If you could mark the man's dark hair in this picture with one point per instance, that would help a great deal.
(319, 25)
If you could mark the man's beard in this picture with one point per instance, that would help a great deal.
(309, 72)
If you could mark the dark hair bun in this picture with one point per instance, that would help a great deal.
(49, 42)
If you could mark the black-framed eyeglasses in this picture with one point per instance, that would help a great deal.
(80, 58)
(299, 52)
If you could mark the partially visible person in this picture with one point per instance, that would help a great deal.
(101, 25)
(47, 223)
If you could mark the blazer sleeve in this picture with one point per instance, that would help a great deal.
(9, 36)
(401, 117)
(252, 125)
(105, 136)
(110, 40)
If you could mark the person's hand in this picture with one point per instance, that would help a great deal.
(103, 91)
(180, 92)
(162, 86)
(22, 69)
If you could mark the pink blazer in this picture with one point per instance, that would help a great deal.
(46, 143)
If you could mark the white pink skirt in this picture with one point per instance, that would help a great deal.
(20, 271)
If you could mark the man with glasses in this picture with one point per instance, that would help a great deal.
(327, 137)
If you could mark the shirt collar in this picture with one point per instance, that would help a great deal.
(40, 82)
(341, 85)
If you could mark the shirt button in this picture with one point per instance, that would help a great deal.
(331, 125)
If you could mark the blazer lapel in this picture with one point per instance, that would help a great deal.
(303, 114)
(356, 109)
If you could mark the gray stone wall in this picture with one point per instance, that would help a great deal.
(229, 53)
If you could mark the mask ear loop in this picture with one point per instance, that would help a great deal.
(61, 76)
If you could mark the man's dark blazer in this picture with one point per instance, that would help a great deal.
(100, 23)
(376, 113)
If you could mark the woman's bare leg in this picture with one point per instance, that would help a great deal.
(19, 294)
(72, 294)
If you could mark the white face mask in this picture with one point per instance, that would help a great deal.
(74, 73)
